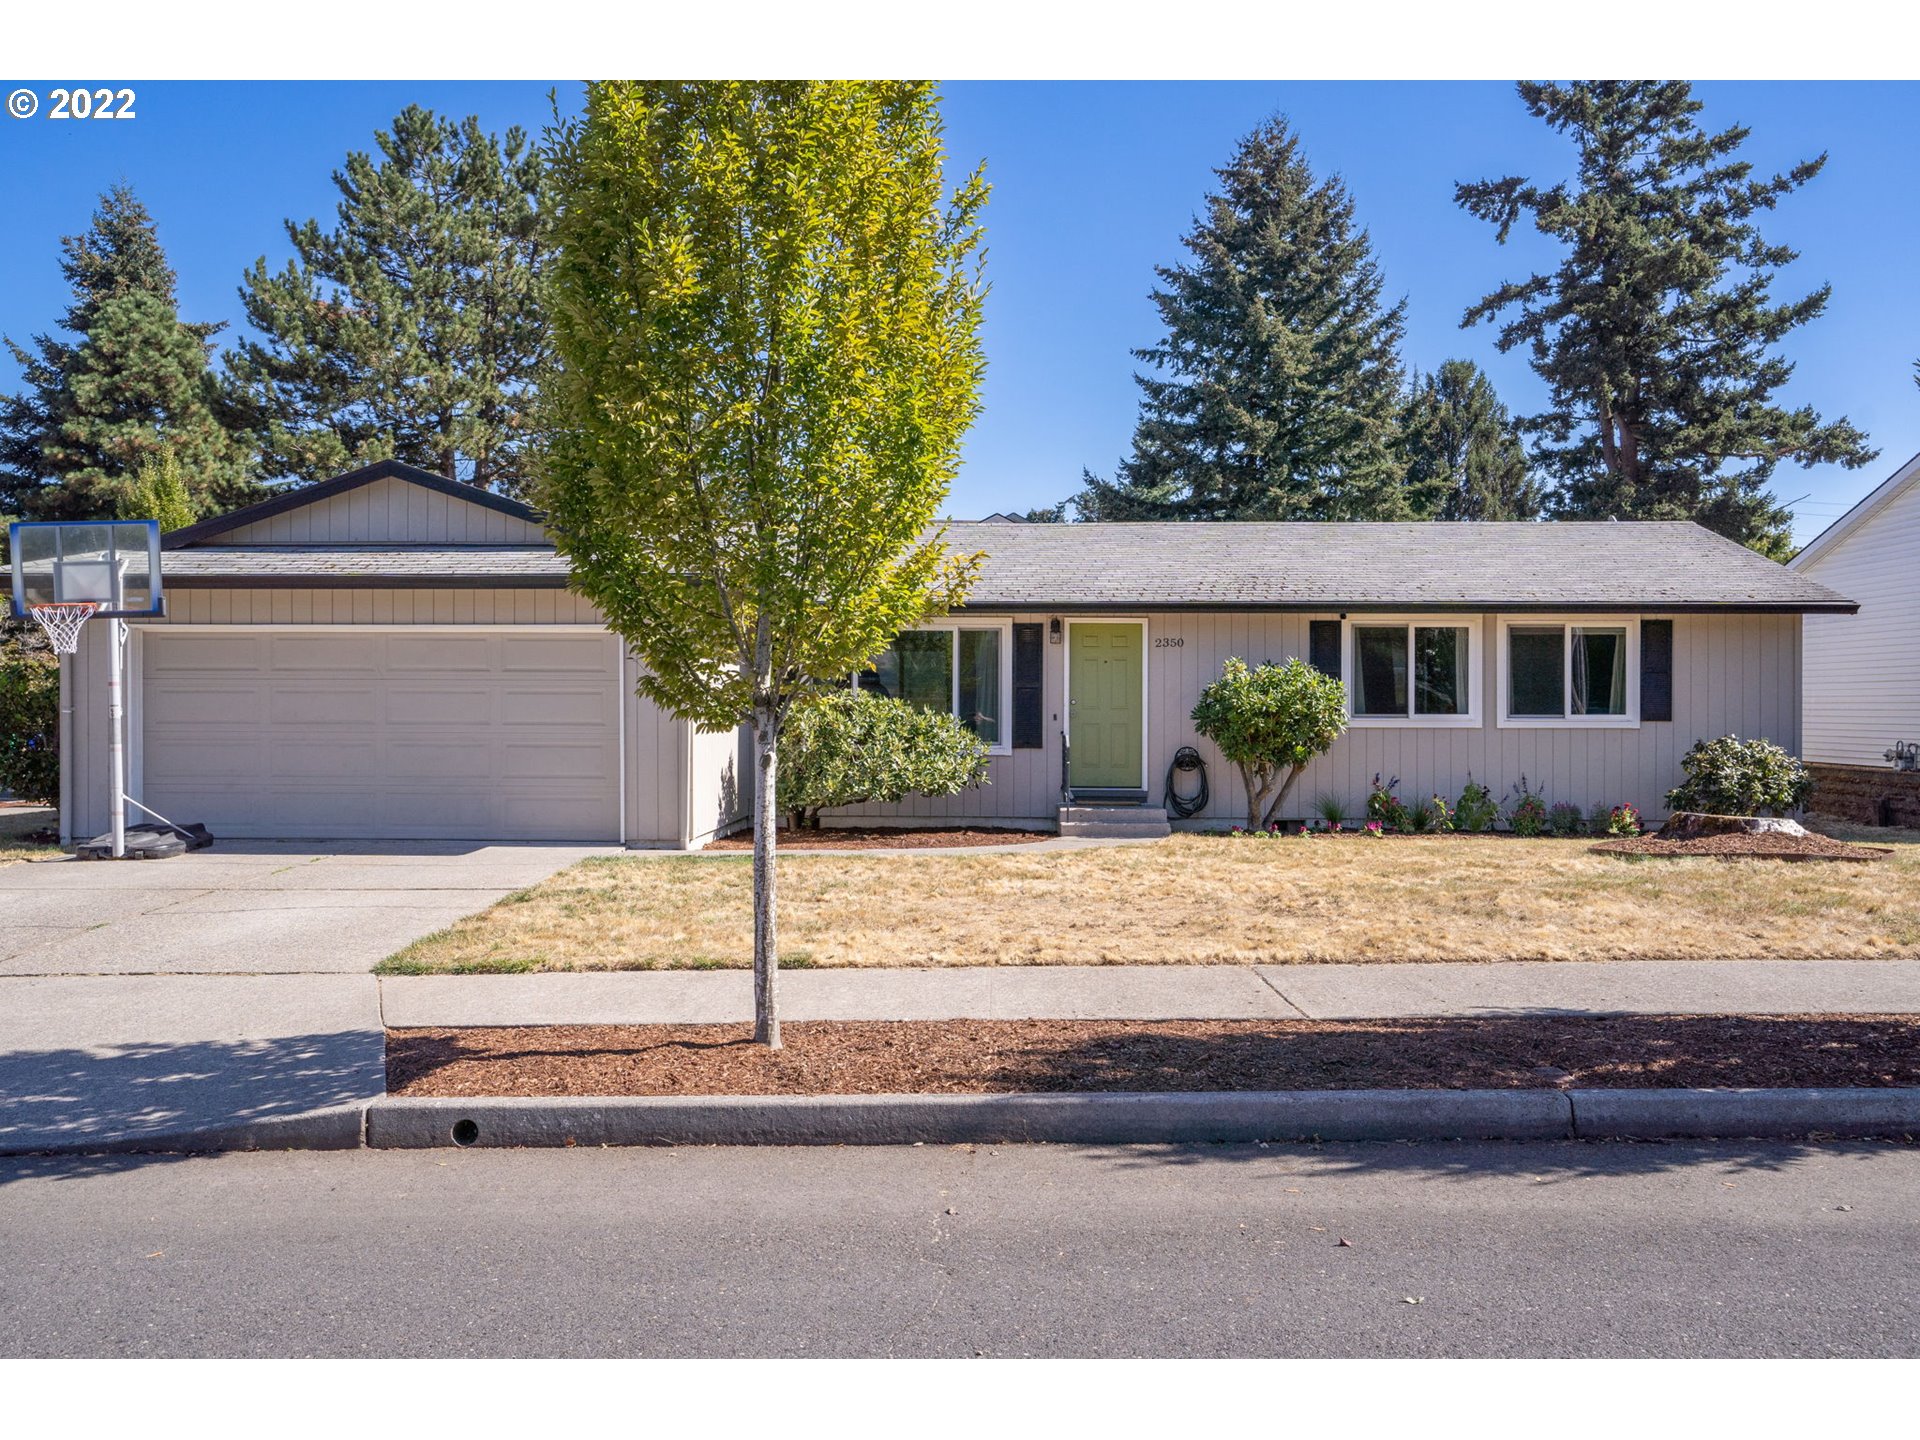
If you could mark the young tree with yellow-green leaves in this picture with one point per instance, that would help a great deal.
(766, 310)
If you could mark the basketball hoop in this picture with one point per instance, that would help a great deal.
(62, 622)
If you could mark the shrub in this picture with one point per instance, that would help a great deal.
(1384, 806)
(850, 747)
(1623, 819)
(1442, 813)
(1271, 721)
(1731, 776)
(30, 725)
(1565, 820)
(1332, 810)
(1526, 810)
(1476, 809)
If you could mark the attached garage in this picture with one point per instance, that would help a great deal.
(394, 734)
(389, 655)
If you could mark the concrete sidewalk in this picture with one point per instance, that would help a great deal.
(1167, 992)
(109, 1062)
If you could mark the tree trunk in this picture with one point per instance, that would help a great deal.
(1273, 810)
(766, 734)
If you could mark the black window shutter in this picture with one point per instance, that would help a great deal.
(1656, 670)
(1323, 646)
(1029, 648)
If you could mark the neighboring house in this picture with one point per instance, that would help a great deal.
(392, 655)
(1863, 672)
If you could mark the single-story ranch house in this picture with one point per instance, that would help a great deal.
(393, 655)
(1863, 673)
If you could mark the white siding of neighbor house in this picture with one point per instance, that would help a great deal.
(1863, 671)
(1732, 674)
(388, 511)
(655, 790)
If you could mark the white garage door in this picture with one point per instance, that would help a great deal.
(382, 734)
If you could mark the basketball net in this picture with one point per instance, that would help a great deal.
(62, 622)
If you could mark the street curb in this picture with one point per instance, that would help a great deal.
(1724, 1114)
(1112, 1119)
(338, 1127)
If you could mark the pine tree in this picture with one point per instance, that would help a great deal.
(133, 382)
(1656, 333)
(1465, 460)
(1275, 392)
(413, 329)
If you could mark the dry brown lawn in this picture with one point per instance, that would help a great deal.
(1199, 900)
(16, 823)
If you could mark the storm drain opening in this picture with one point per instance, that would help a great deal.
(465, 1132)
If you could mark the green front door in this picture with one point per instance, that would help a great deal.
(1105, 720)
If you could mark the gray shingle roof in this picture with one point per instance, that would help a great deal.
(1645, 565)
(1655, 565)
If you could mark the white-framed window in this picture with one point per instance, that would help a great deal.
(1413, 670)
(1569, 670)
(964, 668)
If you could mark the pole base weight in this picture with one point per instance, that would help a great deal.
(148, 842)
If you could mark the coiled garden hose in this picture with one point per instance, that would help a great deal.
(1185, 807)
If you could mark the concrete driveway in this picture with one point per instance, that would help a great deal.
(254, 907)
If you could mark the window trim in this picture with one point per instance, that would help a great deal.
(1567, 720)
(1439, 620)
(1004, 627)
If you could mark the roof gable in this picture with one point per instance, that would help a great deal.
(386, 503)
(1874, 503)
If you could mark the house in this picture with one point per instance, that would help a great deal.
(1863, 672)
(393, 655)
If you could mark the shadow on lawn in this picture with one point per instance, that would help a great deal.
(119, 1096)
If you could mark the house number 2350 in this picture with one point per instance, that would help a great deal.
(1169, 642)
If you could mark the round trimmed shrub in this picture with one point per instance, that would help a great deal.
(1731, 776)
(851, 747)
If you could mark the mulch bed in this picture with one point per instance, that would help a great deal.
(882, 838)
(1767, 846)
(1003, 1056)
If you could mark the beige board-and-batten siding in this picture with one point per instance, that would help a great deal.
(389, 511)
(1732, 674)
(679, 786)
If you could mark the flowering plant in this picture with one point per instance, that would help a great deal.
(1375, 829)
(1623, 819)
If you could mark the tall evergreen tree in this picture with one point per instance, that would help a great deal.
(1465, 459)
(1656, 334)
(414, 328)
(1275, 392)
(132, 383)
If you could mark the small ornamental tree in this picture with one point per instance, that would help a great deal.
(852, 747)
(158, 491)
(1271, 721)
(1731, 776)
(766, 313)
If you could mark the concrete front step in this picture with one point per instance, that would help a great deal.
(1113, 822)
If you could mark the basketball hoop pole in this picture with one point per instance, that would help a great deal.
(116, 741)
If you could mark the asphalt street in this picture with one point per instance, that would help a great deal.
(1452, 1249)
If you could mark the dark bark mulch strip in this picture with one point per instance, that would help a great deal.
(1000, 1056)
(882, 838)
(1746, 847)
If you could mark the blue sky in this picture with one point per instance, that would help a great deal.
(1093, 185)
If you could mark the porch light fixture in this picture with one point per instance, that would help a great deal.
(1053, 630)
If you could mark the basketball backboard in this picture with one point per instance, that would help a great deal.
(114, 564)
